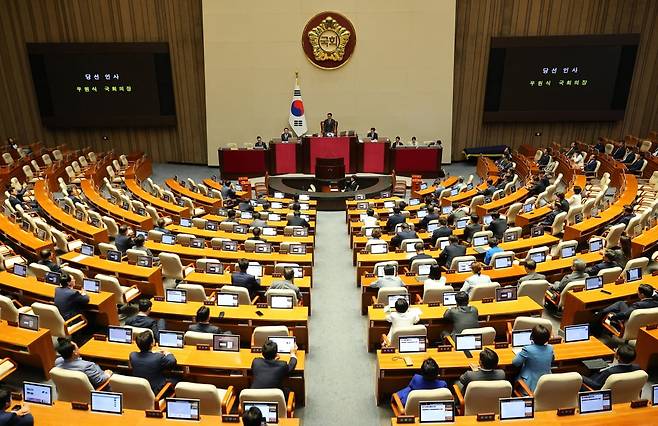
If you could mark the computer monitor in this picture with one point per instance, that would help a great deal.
(568, 251)
(20, 269)
(593, 283)
(358, 197)
(268, 231)
(521, 338)
(168, 239)
(117, 334)
(423, 186)
(424, 269)
(246, 215)
(52, 277)
(28, 321)
(276, 205)
(407, 344)
(263, 248)
(468, 342)
(183, 409)
(198, 243)
(389, 204)
(421, 214)
(461, 223)
(444, 243)
(446, 209)
(176, 296)
(284, 344)
(114, 255)
(436, 411)
(37, 393)
(41, 234)
(454, 191)
(431, 227)
(229, 246)
(275, 217)
(279, 195)
(255, 270)
(368, 230)
(480, 241)
(633, 274)
(517, 408)
(226, 342)
(228, 299)
(381, 273)
(214, 268)
(527, 208)
(414, 201)
(538, 257)
(469, 186)
(385, 194)
(186, 222)
(392, 298)
(91, 285)
(378, 248)
(299, 232)
(464, 265)
(576, 333)
(87, 249)
(26, 225)
(487, 219)
(410, 248)
(106, 402)
(297, 249)
(305, 206)
(145, 261)
(170, 339)
(537, 231)
(281, 302)
(505, 294)
(595, 402)
(269, 410)
(595, 244)
(503, 262)
(304, 197)
(510, 236)
(449, 298)
(140, 233)
(654, 395)
(298, 270)
(211, 225)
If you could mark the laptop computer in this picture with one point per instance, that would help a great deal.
(114, 255)
(268, 231)
(446, 209)
(183, 409)
(461, 223)
(595, 401)
(91, 285)
(297, 249)
(228, 299)
(87, 249)
(538, 257)
(226, 343)
(299, 232)
(169, 239)
(187, 223)
(424, 270)
(520, 338)
(394, 298)
(503, 262)
(117, 334)
(28, 321)
(423, 186)
(568, 252)
(468, 342)
(106, 402)
(212, 226)
(255, 269)
(431, 227)
(421, 214)
(170, 339)
(279, 195)
(654, 395)
(143, 234)
(527, 208)
(408, 344)
(37, 393)
(443, 244)
(378, 248)
(480, 244)
(274, 217)
(517, 408)
(536, 231)
(414, 201)
(449, 298)
(175, 296)
(436, 411)
(229, 246)
(284, 344)
(576, 333)
(281, 302)
(197, 243)
(593, 283)
(276, 205)
(595, 244)
(263, 248)
(389, 204)
(381, 273)
(20, 269)
(304, 197)
(510, 236)
(52, 277)
(464, 265)
(633, 274)
(145, 261)
(506, 294)
(214, 268)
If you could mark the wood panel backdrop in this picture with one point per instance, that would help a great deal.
(177, 22)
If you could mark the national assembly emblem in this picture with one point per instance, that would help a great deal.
(328, 40)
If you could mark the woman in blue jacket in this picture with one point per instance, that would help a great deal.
(535, 359)
(427, 379)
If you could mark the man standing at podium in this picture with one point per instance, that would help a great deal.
(372, 134)
(329, 126)
(286, 135)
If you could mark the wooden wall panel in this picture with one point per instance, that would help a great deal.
(479, 20)
(178, 22)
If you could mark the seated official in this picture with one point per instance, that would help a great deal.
(625, 217)
(269, 372)
(75, 195)
(472, 227)
(260, 143)
(462, 316)
(590, 166)
(452, 250)
(402, 316)
(493, 249)
(139, 245)
(259, 221)
(406, 233)
(578, 273)
(16, 197)
(489, 190)
(47, 258)
(457, 212)
(329, 126)
(370, 221)
(228, 192)
(286, 135)
(298, 220)
(545, 158)
(535, 359)
(376, 237)
(149, 364)
(476, 279)
(498, 225)
(531, 272)
(253, 417)
(620, 152)
(160, 226)
(245, 206)
(202, 322)
(256, 232)
(576, 199)
(487, 371)
(397, 142)
(432, 214)
(241, 278)
(287, 283)
(621, 311)
(372, 134)
(351, 184)
(230, 217)
(420, 253)
(123, 241)
(396, 218)
(442, 231)
(636, 166)
(609, 261)
(69, 301)
(434, 279)
(624, 356)
(69, 359)
(558, 207)
(142, 319)
(388, 280)
(427, 379)
(20, 417)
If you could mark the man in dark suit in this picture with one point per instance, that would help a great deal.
(123, 241)
(462, 316)
(16, 197)
(451, 251)
(243, 279)
(21, 417)
(48, 260)
(404, 234)
(151, 365)
(625, 356)
(545, 158)
(420, 253)
(636, 166)
(227, 190)
(394, 219)
(626, 217)
(590, 166)
(488, 192)
(269, 372)
(488, 370)
(559, 206)
(621, 311)
(69, 301)
(431, 215)
(372, 134)
(498, 225)
(620, 151)
(298, 220)
(609, 261)
(286, 135)
(397, 142)
(202, 324)
(537, 187)
(329, 125)
(260, 143)
(472, 227)
(160, 227)
(142, 319)
(442, 231)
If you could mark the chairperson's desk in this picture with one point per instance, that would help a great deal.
(494, 314)
(220, 368)
(103, 303)
(28, 347)
(148, 280)
(393, 374)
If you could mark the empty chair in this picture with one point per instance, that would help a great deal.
(476, 201)
(83, 161)
(155, 215)
(214, 401)
(103, 248)
(9, 160)
(281, 292)
(536, 253)
(92, 156)
(435, 294)
(50, 318)
(574, 215)
(498, 255)
(553, 391)
(285, 408)
(557, 250)
(557, 227)
(261, 334)
(184, 239)
(514, 232)
(610, 275)
(47, 161)
(482, 396)
(639, 262)
(566, 289)
(29, 176)
(415, 265)
(484, 291)
(62, 243)
(201, 264)
(194, 338)
(614, 234)
(7, 366)
(9, 309)
(243, 294)
(172, 268)
(534, 289)
(37, 270)
(199, 222)
(588, 206)
(137, 393)
(112, 228)
(196, 211)
(488, 334)
(416, 396)
(195, 292)
(626, 387)
(122, 294)
(73, 385)
(73, 178)
(112, 176)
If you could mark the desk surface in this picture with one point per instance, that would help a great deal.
(158, 203)
(205, 233)
(298, 314)
(26, 239)
(225, 279)
(114, 210)
(122, 268)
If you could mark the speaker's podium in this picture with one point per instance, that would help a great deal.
(344, 147)
(328, 173)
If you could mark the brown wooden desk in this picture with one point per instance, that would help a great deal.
(25, 243)
(579, 307)
(274, 239)
(122, 216)
(29, 347)
(272, 223)
(239, 194)
(515, 197)
(644, 242)
(219, 368)
(393, 374)
(447, 183)
(208, 203)
(164, 207)
(465, 196)
(646, 348)
(100, 304)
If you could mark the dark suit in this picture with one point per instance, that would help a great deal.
(537, 188)
(285, 137)
(622, 311)
(204, 328)
(394, 220)
(245, 206)
(14, 201)
(544, 160)
(401, 236)
(143, 321)
(450, 252)
(498, 227)
(151, 366)
(123, 243)
(591, 165)
(624, 219)
(329, 126)
(440, 232)
(9, 418)
(69, 302)
(594, 270)
(637, 165)
(480, 375)
(424, 221)
(471, 229)
(597, 380)
(270, 374)
(372, 135)
(419, 257)
(248, 281)
(619, 153)
(462, 317)
(260, 144)
(298, 221)
(50, 265)
(629, 157)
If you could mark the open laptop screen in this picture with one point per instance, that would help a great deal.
(521, 338)
(503, 262)
(53, 277)
(106, 402)
(183, 409)
(87, 249)
(170, 339)
(449, 298)
(595, 245)
(226, 342)
(517, 408)
(119, 334)
(633, 274)
(505, 294)
(378, 248)
(284, 344)
(394, 298)
(576, 333)
(281, 302)
(568, 252)
(175, 295)
(461, 223)
(37, 393)
(407, 344)
(593, 283)
(595, 402)
(464, 266)
(538, 257)
(227, 299)
(468, 342)
(480, 241)
(91, 285)
(28, 321)
(436, 411)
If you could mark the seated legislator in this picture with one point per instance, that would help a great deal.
(427, 379)
(402, 316)
(531, 272)
(149, 364)
(69, 301)
(297, 220)
(269, 372)
(432, 214)
(47, 258)
(388, 280)
(376, 237)
(253, 417)
(351, 184)
(590, 166)
(160, 226)
(636, 166)
(576, 198)
(396, 218)
(625, 218)
(624, 356)
(202, 322)
(578, 273)
(139, 245)
(420, 253)
(123, 241)
(559, 206)
(228, 192)
(369, 221)
(287, 283)
(609, 261)
(472, 227)
(260, 143)
(286, 135)
(405, 234)
(69, 359)
(493, 249)
(462, 316)
(487, 371)
(442, 231)
(329, 127)
(258, 221)
(535, 359)
(457, 211)
(451, 251)
(372, 134)
(621, 311)
(434, 279)
(476, 279)
(242, 279)
(20, 417)
(397, 142)
(142, 319)
(498, 225)
(255, 235)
